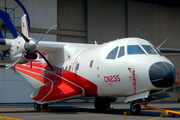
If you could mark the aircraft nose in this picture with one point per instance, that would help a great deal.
(162, 74)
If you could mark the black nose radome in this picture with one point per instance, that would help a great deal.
(162, 74)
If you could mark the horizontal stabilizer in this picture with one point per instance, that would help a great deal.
(137, 96)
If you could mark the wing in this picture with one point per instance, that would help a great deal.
(5, 44)
(61, 51)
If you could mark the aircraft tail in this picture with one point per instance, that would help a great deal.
(24, 26)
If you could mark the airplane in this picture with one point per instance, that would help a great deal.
(57, 71)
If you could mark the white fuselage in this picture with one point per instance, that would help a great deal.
(105, 73)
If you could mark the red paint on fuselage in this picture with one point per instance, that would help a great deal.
(59, 85)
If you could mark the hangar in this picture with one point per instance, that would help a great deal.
(86, 21)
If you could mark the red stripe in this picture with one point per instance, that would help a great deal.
(64, 85)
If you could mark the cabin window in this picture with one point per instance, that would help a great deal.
(66, 69)
(62, 69)
(41, 74)
(49, 73)
(77, 66)
(59, 70)
(121, 51)
(56, 71)
(135, 49)
(112, 54)
(69, 68)
(149, 49)
(91, 64)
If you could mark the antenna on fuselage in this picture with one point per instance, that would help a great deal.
(95, 42)
(140, 34)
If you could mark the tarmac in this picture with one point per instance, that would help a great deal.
(84, 111)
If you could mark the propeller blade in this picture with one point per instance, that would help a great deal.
(24, 37)
(13, 64)
(158, 47)
(140, 34)
(46, 61)
(47, 32)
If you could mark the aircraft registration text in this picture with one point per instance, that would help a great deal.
(112, 78)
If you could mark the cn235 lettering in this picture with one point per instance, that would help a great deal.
(112, 78)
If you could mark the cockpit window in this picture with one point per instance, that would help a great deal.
(112, 54)
(135, 49)
(158, 51)
(121, 51)
(149, 49)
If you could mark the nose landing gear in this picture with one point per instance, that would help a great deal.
(135, 108)
(165, 112)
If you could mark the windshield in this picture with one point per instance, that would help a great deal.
(149, 49)
(158, 51)
(112, 54)
(134, 49)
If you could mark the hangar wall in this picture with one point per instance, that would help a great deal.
(86, 21)
(105, 20)
(13, 88)
(156, 23)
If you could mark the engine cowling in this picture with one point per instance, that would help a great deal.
(22, 49)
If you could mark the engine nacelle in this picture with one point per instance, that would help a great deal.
(18, 50)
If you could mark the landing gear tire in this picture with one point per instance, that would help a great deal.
(101, 104)
(36, 106)
(162, 114)
(39, 107)
(135, 108)
(173, 115)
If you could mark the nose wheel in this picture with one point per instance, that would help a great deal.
(135, 108)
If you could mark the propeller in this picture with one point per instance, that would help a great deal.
(13, 64)
(32, 49)
(140, 34)
(158, 47)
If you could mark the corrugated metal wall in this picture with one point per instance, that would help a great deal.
(72, 17)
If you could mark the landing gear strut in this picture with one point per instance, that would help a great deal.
(102, 103)
(135, 108)
(40, 107)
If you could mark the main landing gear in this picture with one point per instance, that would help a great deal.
(102, 103)
(40, 107)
